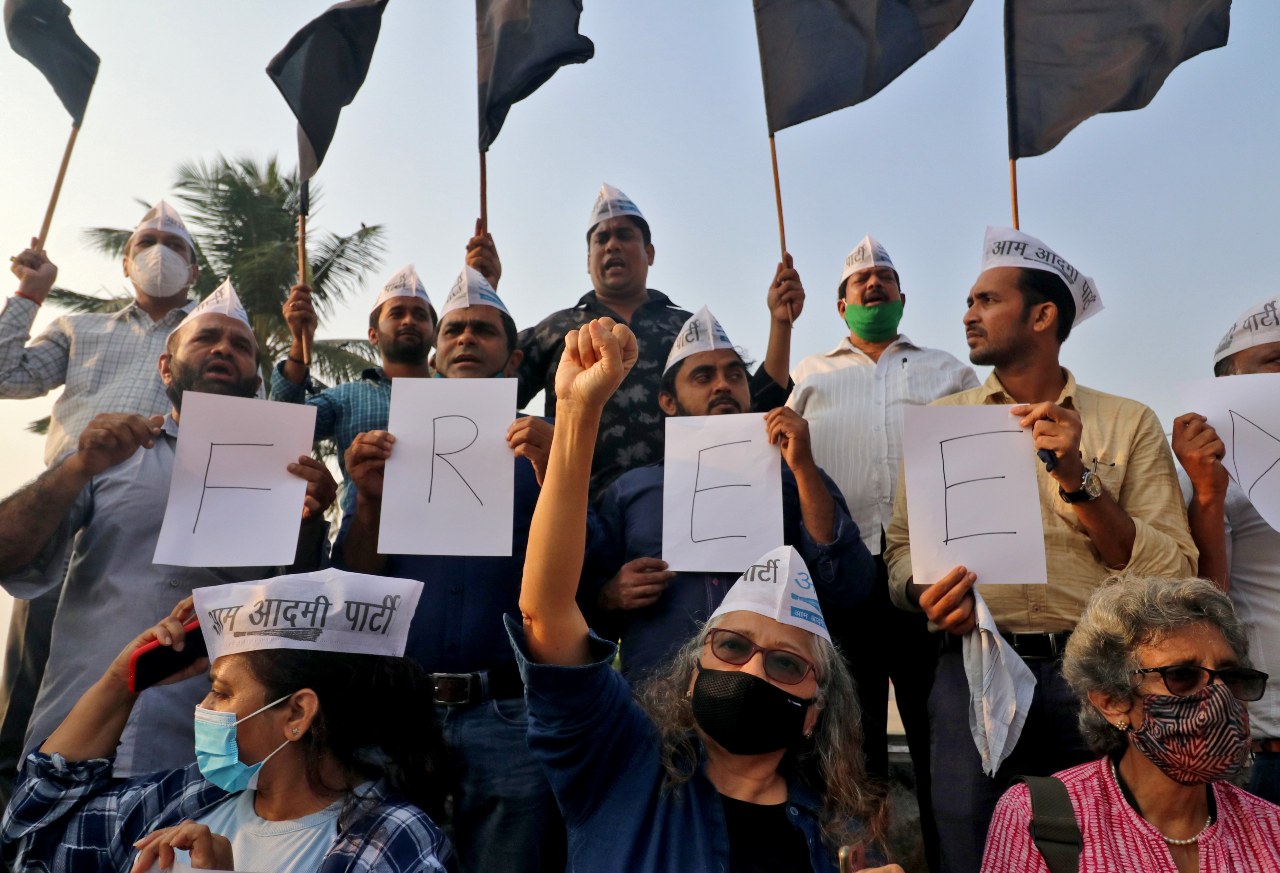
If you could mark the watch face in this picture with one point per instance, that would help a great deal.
(1091, 485)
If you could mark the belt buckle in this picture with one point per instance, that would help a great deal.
(451, 689)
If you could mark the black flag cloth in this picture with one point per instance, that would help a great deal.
(1070, 59)
(322, 68)
(818, 56)
(41, 31)
(519, 45)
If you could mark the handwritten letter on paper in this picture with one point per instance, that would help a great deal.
(232, 502)
(1245, 413)
(450, 481)
(722, 493)
(971, 495)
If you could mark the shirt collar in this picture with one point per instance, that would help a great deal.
(374, 374)
(591, 301)
(993, 391)
(133, 310)
(846, 346)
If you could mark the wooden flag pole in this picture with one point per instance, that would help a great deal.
(484, 195)
(1013, 189)
(782, 227)
(57, 188)
(303, 207)
(1011, 107)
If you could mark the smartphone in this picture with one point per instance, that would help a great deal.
(155, 662)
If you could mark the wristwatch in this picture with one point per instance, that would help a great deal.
(1090, 489)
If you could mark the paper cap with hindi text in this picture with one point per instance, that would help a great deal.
(1005, 247)
(778, 586)
(612, 203)
(326, 611)
(223, 301)
(1257, 325)
(701, 333)
(405, 283)
(164, 217)
(868, 253)
(471, 289)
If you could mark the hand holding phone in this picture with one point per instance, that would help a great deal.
(154, 662)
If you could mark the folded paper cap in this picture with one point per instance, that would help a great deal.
(1257, 325)
(471, 289)
(164, 217)
(1005, 247)
(223, 301)
(326, 611)
(611, 203)
(405, 283)
(701, 333)
(778, 586)
(868, 253)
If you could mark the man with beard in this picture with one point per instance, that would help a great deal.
(1109, 501)
(402, 325)
(632, 595)
(108, 497)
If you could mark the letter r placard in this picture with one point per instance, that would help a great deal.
(722, 493)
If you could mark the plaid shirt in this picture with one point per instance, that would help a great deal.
(72, 817)
(107, 361)
(632, 432)
(342, 413)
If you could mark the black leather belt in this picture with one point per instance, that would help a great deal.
(1265, 747)
(1043, 645)
(465, 689)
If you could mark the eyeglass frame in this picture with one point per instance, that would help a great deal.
(810, 665)
(1250, 675)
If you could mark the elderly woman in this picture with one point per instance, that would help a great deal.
(1161, 667)
(712, 775)
(306, 760)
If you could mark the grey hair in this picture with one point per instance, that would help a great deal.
(1131, 611)
(853, 808)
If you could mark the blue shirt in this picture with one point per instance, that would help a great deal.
(630, 526)
(601, 755)
(458, 625)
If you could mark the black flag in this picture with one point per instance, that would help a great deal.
(519, 45)
(41, 31)
(818, 56)
(322, 68)
(1070, 59)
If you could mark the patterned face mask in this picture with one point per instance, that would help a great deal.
(1200, 738)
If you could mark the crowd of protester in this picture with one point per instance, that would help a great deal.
(578, 705)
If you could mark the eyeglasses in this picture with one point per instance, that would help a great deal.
(1183, 680)
(779, 664)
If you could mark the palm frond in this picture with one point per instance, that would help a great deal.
(39, 426)
(77, 302)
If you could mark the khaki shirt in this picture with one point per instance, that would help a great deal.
(1137, 470)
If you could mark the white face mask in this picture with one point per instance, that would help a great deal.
(159, 271)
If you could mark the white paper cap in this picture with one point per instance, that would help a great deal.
(405, 283)
(471, 289)
(701, 333)
(164, 217)
(1005, 247)
(778, 586)
(1257, 325)
(868, 253)
(327, 611)
(223, 301)
(611, 203)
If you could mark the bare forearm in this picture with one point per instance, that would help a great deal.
(293, 368)
(1109, 528)
(1207, 520)
(817, 506)
(360, 547)
(777, 356)
(33, 514)
(93, 727)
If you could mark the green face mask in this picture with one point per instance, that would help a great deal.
(875, 324)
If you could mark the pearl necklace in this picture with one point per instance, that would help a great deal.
(1189, 841)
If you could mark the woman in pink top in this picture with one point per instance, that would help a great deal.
(1162, 669)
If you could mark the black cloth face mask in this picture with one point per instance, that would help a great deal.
(745, 714)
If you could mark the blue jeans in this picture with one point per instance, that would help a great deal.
(504, 815)
(1264, 781)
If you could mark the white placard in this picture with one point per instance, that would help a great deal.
(972, 498)
(232, 502)
(450, 481)
(722, 493)
(1245, 412)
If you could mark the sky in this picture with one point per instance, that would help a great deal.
(1168, 208)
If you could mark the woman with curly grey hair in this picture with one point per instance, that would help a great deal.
(1161, 668)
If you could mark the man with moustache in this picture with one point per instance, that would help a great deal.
(1110, 503)
(108, 497)
(652, 610)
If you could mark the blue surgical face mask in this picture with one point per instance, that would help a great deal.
(218, 754)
